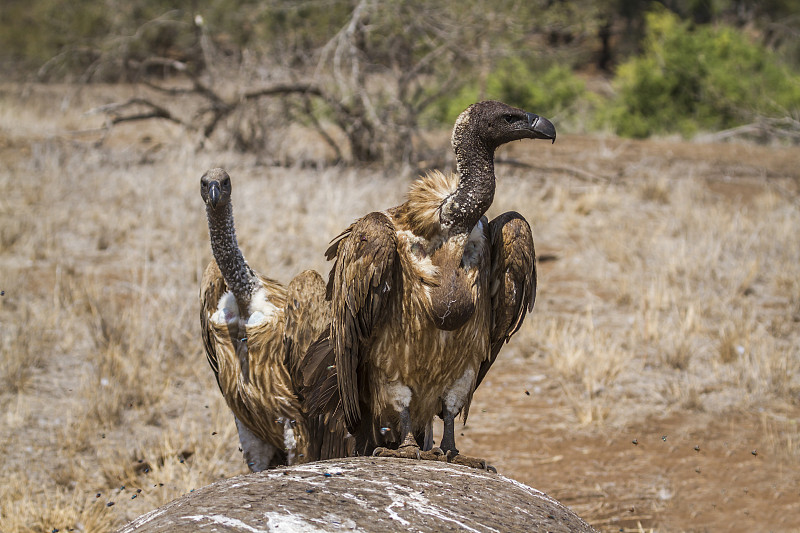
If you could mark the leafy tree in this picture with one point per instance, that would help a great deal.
(551, 91)
(698, 77)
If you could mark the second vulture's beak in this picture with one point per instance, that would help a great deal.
(541, 127)
(213, 193)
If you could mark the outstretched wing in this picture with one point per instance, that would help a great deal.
(212, 287)
(512, 280)
(361, 283)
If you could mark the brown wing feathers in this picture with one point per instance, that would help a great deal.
(362, 279)
(211, 289)
(513, 280)
(308, 315)
(319, 387)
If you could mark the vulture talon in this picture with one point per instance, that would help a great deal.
(410, 452)
(403, 452)
(381, 452)
(472, 462)
(435, 454)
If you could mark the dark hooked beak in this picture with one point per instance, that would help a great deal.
(541, 127)
(213, 193)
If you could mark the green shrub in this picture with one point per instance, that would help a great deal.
(550, 91)
(547, 91)
(700, 77)
(32, 32)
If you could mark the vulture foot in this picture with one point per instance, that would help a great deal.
(472, 462)
(411, 452)
(403, 452)
(434, 454)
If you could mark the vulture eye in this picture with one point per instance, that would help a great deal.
(508, 118)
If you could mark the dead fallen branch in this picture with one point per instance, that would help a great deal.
(209, 116)
(763, 130)
(116, 115)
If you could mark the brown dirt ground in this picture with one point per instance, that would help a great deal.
(737, 480)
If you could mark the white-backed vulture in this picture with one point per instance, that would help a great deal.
(424, 295)
(255, 332)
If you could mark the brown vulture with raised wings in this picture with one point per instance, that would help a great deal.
(423, 297)
(256, 332)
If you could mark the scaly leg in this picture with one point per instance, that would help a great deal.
(448, 445)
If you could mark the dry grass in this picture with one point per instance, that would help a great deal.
(676, 289)
(670, 284)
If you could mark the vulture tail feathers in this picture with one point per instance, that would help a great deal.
(317, 378)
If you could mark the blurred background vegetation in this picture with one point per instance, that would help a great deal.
(380, 70)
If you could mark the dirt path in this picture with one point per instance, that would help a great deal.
(648, 475)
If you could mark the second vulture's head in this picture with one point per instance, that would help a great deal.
(493, 123)
(215, 188)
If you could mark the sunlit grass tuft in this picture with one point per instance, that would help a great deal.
(64, 509)
(586, 361)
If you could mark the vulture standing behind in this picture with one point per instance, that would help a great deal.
(255, 331)
(424, 295)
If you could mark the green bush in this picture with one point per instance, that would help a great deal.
(31, 32)
(550, 91)
(547, 91)
(702, 77)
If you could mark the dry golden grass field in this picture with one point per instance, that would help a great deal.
(655, 387)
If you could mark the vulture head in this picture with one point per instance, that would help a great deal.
(494, 123)
(215, 188)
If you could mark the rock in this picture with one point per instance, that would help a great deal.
(363, 494)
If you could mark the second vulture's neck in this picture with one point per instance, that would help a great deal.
(475, 192)
(239, 277)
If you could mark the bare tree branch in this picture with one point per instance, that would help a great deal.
(285, 88)
(155, 111)
(309, 112)
(764, 127)
(373, 89)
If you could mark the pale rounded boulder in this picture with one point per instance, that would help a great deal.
(363, 494)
